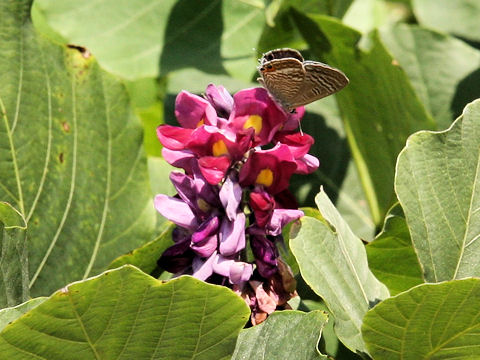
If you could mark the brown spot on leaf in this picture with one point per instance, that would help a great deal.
(66, 127)
(60, 158)
(83, 50)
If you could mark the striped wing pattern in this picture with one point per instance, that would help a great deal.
(294, 82)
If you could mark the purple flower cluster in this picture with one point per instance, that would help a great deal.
(238, 154)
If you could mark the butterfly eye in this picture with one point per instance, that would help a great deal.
(262, 69)
(269, 67)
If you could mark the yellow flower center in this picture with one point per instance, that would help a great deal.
(201, 122)
(219, 148)
(265, 177)
(254, 121)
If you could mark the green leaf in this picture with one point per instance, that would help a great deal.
(379, 107)
(333, 262)
(284, 335)
(366, 15)
(8, 315)
(146, 256)
(132, 38)
(72, 160)
(458, 17)
(438, 186)
(125, 37)
(13, 257)
(126, 314)
(430, 321)
(391, 256)
(443, 70)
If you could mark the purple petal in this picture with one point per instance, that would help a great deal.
(183, 159)
(307, 164)
(206, 229)
(280, 218)
(230, 196)
(265, 253)
(206, 247)
(221, 99)
(202, 269)
(177, 258)
(232, 235)
(176, 211)
(236, 271)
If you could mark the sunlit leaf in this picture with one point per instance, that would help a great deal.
(126, 314)
(430, 321)
(333, 262)
(438, 186)
(284, 335)
(72, 160)
(13, 257)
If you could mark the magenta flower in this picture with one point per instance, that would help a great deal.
(233, 195)
(254, 108)
(271, 169)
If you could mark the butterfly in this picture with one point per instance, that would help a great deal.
(294, 82)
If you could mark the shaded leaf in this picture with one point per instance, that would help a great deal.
(391, 256)
(284, 335)
(438, 186)
(333, 262)
(10, 314)
(126, 314)
(13, 257)
(458, 17)
(146, 256)
(379, 107)
(443, 70)
(430, 321)
(72, 159)
(337, 172)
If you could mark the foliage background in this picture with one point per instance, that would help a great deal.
(84, 85)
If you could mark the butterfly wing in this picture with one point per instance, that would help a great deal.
(283, 78)
(281, 54)
(320, 80)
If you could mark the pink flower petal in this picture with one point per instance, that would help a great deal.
(192, 111)
(173, 137)
(214, 168)
(176, 211)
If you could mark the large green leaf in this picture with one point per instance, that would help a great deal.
(10, 314)
(438, 186)
(431, 321)
(379, 107)
(333, 262)
(133, 37)
(13, 257)
(126, 314)
(443, 70)
(391, 255)
(71, 160)
(284, 335)
(459, 17)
